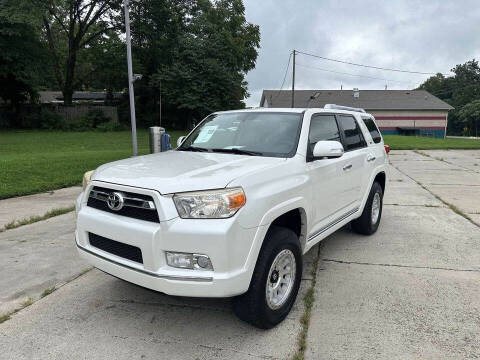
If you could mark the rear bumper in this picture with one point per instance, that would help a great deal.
(228, 245)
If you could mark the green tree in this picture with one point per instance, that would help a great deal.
(199, 51)
(469, 115)
(71, 26)
(103, 65)
(21, 56)
(458, 91)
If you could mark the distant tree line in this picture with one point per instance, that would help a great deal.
(196, 52)
(462, 91)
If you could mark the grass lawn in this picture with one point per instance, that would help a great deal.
(398, 142)
(36, 161)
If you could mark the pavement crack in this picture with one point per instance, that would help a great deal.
(445, 161)
(451, 206)
(399, 265)
(415, 205)
(180, 306)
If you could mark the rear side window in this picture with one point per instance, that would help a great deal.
(370, 124)
(353, 135)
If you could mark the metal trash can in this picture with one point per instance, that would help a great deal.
(156, 133)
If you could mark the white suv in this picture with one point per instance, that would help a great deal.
(231, 211)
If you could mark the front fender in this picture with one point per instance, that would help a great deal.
(267, 219)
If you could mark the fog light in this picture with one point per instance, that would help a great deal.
(188, 261)
(180, 260)
(203, 261)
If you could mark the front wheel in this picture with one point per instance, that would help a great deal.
(275, 281)
(368, 222)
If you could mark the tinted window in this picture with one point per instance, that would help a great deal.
(370, 124)
(323, 127)
(353, 134)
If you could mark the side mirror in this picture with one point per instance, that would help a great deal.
(180, 140)
(328, 149)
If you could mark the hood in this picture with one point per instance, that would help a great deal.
(179, 171)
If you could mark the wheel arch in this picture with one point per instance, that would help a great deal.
(381, 178)
(379, 175)
(295, 220)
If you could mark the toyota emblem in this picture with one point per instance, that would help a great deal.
(115, 201)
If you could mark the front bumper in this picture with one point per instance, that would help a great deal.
(228, 245)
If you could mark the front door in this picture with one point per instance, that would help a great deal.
(325, 174)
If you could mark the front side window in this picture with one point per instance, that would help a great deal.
(352, 133)
(249, 133)
(370, 124)
(322, 127)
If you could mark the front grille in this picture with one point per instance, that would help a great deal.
(130, 209)
(126, 251)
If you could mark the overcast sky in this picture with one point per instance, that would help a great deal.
(426, 36)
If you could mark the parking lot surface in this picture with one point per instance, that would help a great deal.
(408, 292)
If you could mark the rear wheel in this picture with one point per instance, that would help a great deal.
(275, 281)
(368, 222)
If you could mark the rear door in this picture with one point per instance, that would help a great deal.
(376, 151)
(353, 161)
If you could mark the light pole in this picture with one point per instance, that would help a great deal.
(130, 77)
(160, 87)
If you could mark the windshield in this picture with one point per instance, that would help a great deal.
(248, 133)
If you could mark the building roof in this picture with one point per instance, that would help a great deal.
(57, 96)
(367, 99)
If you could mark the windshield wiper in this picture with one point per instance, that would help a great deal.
(193, 148)
(238, 151)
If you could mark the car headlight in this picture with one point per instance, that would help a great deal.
(86, 179)
(211, 204)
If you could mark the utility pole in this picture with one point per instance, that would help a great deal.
(293, 80)
(130, 78)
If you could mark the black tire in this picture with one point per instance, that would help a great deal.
(252, 306)
(364, 224)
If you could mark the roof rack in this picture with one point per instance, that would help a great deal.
(341, 107)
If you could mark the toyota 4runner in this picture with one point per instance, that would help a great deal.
(233, 209)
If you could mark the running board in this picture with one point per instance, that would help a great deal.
(333, 223)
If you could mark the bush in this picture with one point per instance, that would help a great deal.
(51, 120)
(82, 124)
(97, 117)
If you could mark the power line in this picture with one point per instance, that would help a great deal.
(367, 66)
(358, 75)
(284, 77)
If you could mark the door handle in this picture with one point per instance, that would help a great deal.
(347, 167)
(371, 158)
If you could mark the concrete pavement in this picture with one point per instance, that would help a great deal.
(100, 317)
(408, 292)
(23, 207)
(452, 175)
(36, 257)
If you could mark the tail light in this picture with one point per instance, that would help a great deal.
(387, 148)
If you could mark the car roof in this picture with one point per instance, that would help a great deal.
(295, 111)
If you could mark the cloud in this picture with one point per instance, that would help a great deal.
(429, 36)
